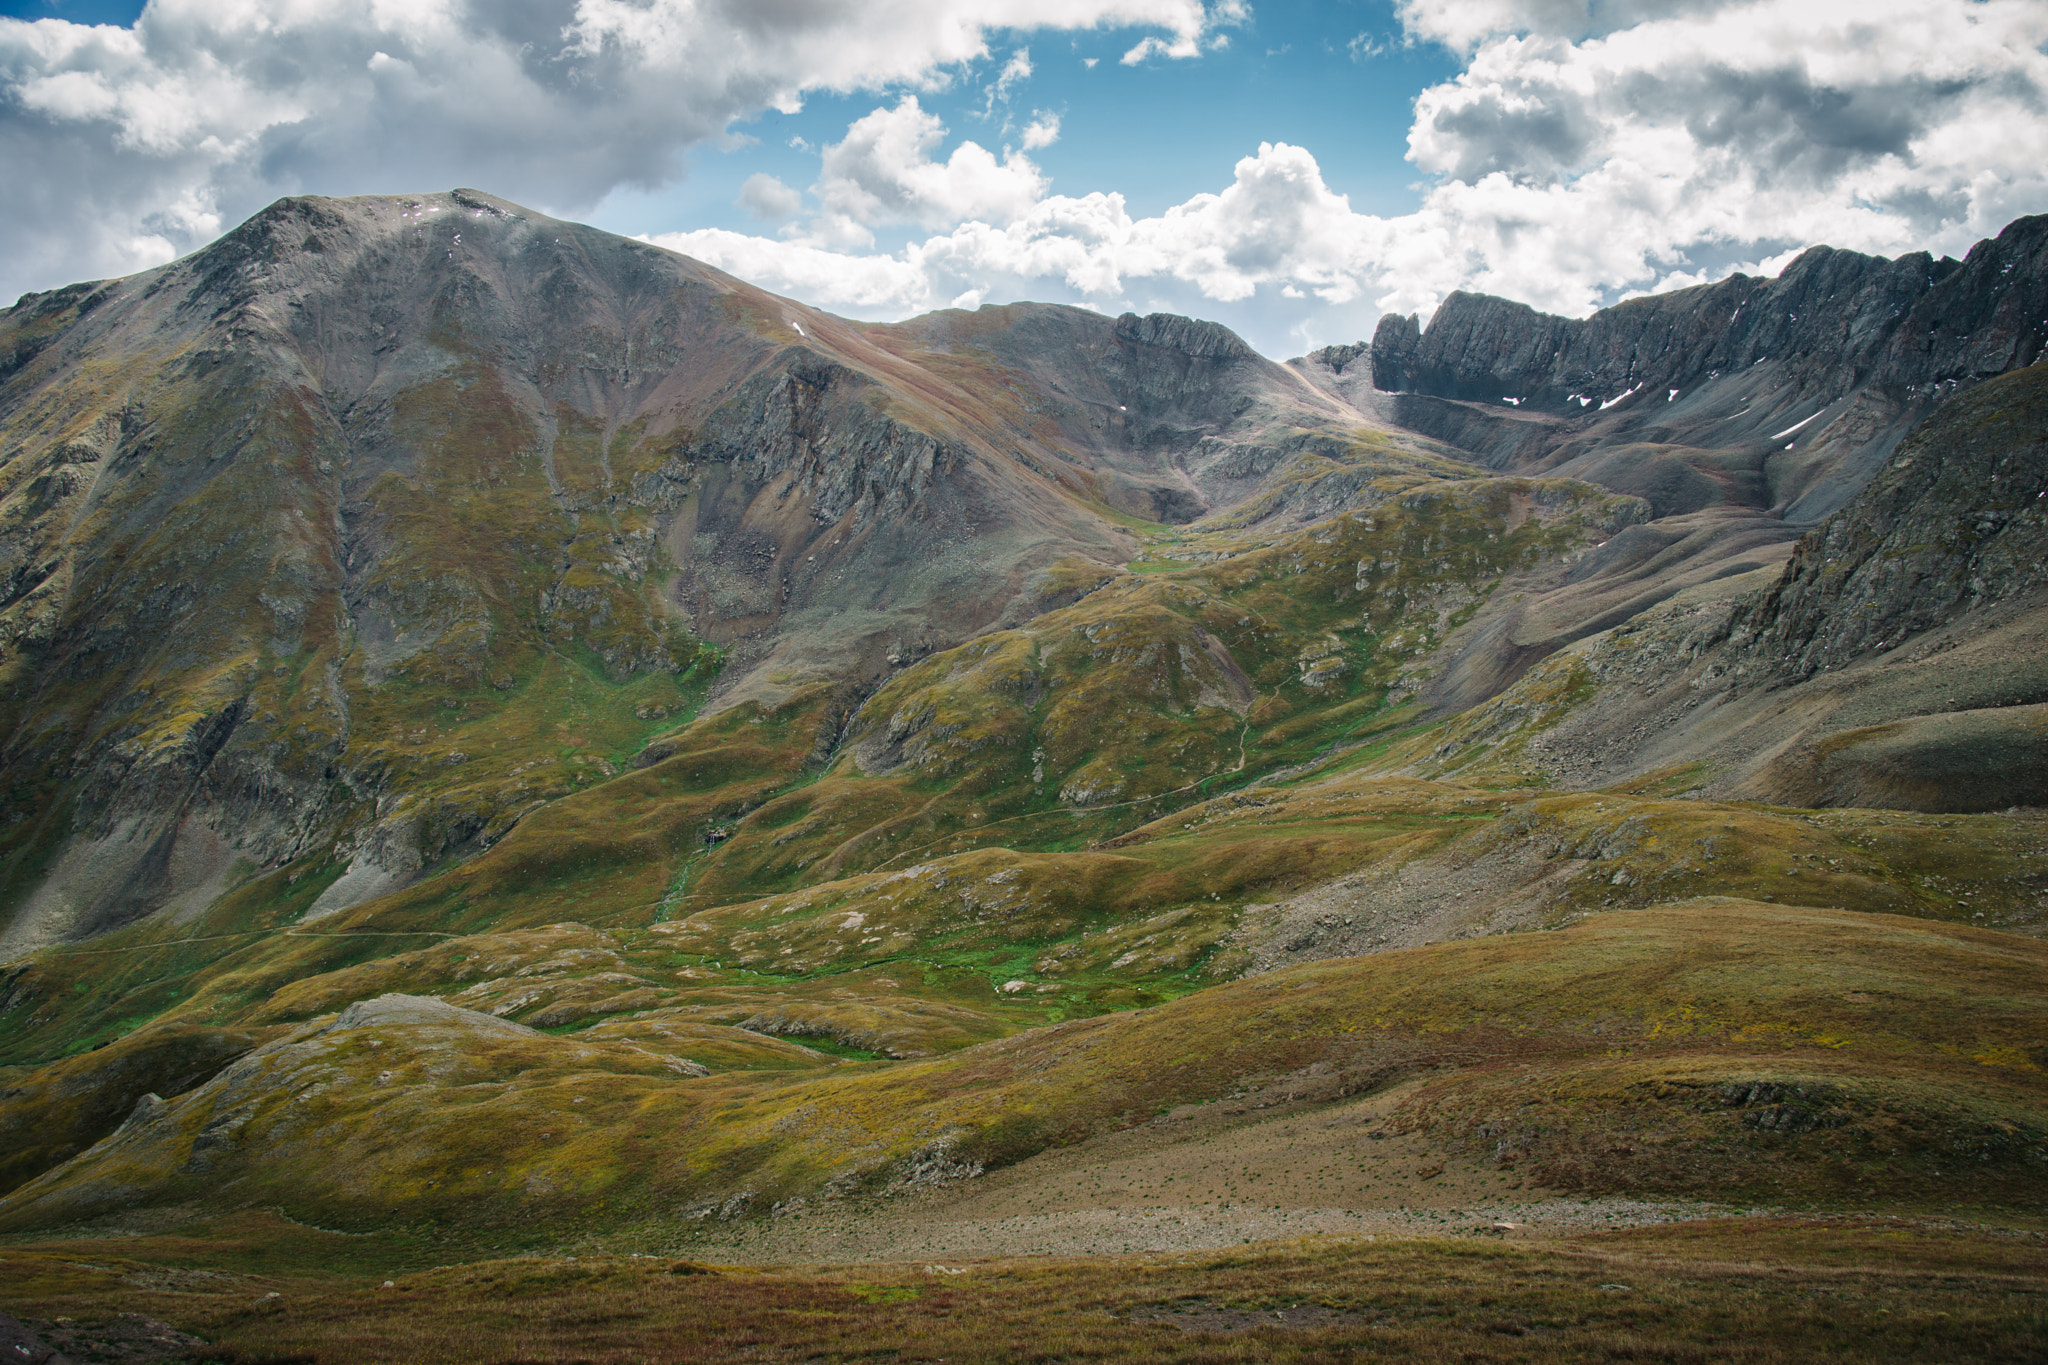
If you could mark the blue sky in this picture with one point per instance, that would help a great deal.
(1157, 132)
(76, 11)
(1292, 170)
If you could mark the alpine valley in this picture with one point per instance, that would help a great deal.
(524, 758)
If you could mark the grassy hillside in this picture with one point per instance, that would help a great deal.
(1712, 1046)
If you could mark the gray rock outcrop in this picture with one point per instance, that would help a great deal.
(1844, 318)
(1958, 520)
(1782, 395)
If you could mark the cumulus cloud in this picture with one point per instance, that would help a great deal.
(126, 145)
(817, 275)
(767, 198)
(1276, 223)
(1574, 166)
(882, 172)
(1589, 149)
(1464, 24)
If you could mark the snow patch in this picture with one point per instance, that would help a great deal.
(1795, 426)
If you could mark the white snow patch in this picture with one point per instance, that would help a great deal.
(1795, 426)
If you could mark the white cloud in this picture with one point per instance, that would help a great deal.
(823, 278)
(1572, 168)
(1586, 151)
(882, 172)
(1364, 48)
(1042, 131)
(206, 109)
(1188, 42)
(767, 198)
(1277, 223)
(1159, 47)
(1014, 73)
(1464, 24)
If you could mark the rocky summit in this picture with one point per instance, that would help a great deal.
(519, 744)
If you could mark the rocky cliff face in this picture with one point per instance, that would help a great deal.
(1846, 318)
(1956, 522)
(1781, 394)
(1164, 417)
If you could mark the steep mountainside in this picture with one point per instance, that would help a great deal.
(1900, 659)
(1782, 394)
(512, 732)
(381, 520)
(1741, 412)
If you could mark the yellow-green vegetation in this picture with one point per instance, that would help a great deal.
(1771, 1293)
(1710, 1047)
(1148, 685)
(376, 851)
(466, 676)
(53, 1113)
(1033, 937)
(1130, 702)
(1152, 690)
(1158, 905)
(958, 949)
(616, 850)
(491, 639)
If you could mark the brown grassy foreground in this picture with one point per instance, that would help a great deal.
(1848, 1288)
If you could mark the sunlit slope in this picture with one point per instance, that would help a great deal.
(1717, 1045)
(960, 948)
